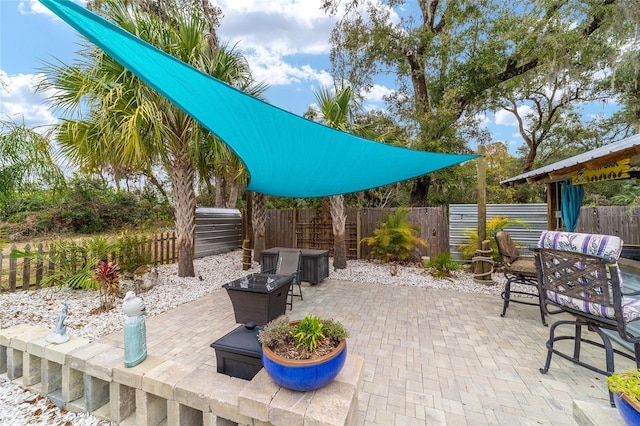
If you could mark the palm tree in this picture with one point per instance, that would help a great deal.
(336, 110)
(25, 162)
(215, 161)
(130, 124)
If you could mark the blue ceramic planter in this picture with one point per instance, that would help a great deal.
(629, 414)
(304, 375)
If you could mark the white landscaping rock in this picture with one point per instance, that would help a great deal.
(19, 407)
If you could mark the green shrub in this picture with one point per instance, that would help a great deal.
(73, 261)
(276, 333)
(395, 238)
(442, 265)
(133, 251)
(627, 382)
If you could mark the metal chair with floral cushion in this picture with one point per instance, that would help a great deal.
(578, 274)
(517, 271)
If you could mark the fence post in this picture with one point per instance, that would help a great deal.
(358, 232)
(26, 269)
(166, 247)
(173, 247)
(39, 266)
(148, 244)
(294, 226)
(156, 255)
(1, 262)
(13, 270)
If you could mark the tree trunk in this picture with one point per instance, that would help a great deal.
(234, 189)
(420, 191)
(185, 211)
(529, 160)
(338, 220)
(220, 188)
(247, 219)
(258, 222)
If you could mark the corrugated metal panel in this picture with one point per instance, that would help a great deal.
(217, 231)
(465, 217)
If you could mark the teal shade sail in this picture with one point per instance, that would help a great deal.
(285, 154)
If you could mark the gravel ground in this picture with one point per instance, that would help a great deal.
(41, 307)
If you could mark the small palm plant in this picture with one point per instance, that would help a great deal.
(442, 265)
(495, 224)
(395, 239)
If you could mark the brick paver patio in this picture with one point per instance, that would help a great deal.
(431, 356)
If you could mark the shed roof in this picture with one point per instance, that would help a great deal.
(591, 160)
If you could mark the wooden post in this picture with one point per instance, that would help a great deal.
(483, 264)
(294, 225)
(13, 270)
(246, 255)
(26, 269)
(358, 232)
(39, 267)
(482, 196)
(553, 206)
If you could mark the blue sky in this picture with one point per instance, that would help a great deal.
(285, 41)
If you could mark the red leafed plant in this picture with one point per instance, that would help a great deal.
(106, 274)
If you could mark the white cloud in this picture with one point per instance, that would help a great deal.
(274, 70)
(506, 118)
(271, 33)
(34, 7)
(20, 103)
(376, 93)
(482, 120)
(287, 27)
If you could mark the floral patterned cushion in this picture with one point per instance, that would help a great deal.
(596, 245)
(593, 244)
(630, 306)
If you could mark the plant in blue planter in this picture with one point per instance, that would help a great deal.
(303, 355)
(626, 393)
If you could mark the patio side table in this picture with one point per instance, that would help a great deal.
(259, 297)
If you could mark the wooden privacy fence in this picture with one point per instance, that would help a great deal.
(623, 221)
(27, 273)
(312, 229)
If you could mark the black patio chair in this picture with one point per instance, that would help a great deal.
(517, 270)
(578, 274)
(289, 263)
